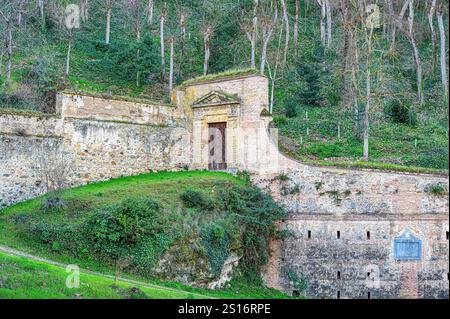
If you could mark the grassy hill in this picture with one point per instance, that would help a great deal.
(23, 278)
(189, 226)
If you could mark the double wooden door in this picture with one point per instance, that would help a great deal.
(217, 146)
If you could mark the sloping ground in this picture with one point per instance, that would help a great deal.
(29, 277)
(197, 237)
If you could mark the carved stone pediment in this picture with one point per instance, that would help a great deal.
(216, 98)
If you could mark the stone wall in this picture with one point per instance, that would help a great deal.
(98, 108)
(101, 139)
(342, 223)
(341, 230)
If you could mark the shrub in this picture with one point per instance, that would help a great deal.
(216, 241)
(434, 158)
(436, 189)
(256, 213)
(53, 202)
(290, 106)
(280, 120)
(401, 113)
(196, 199)
(115, 229)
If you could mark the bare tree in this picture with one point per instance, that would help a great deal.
(287, 29)
(409, 33)
(171, 42)
(368, 28)
(69, 50)
(162, 21)
(323, 14)
(108, 20)
(443, 56)
(183, 16)
(40, 4)
(273, 73)
(296, 21)
(9, 45)
(329, 27)
(85, 10)
(54, 167)
(268, 25)
(207, 33)
(431, 15)
(8, 14)
(251, 31)
(135, 7)
(150, 6)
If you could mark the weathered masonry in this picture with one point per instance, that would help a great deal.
(351, 233)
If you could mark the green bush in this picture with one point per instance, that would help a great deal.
(216, 240)
(134, 234)
(196, 199)
(291, 107)
(401, 113)
(434, 158)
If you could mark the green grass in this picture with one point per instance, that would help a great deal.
(165, 187)
(22, 278)
(421, 148)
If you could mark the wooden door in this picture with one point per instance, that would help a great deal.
(217, 146)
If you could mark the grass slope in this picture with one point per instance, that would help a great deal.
(23, 278)
(165, 187)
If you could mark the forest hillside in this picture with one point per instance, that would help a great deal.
(352, 82)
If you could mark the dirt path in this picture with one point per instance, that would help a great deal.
(19, 253)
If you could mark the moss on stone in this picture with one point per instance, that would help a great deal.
(117, 98)
(220, 76)
(266, 113)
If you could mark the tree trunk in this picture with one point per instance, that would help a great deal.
(206, 39)
(443, 54)
(329, 21)
(392, 17)
(368, 36)
(323, 15)
(150, 11)
(397, 22)
(85, 10)
(267, 34)
(163, 58)
(416, 55)
(69, 51)
(287, 29)
(108, 22)
(297, 14)
(182, 42)
(433, 32)
(273, 75)
(9, 51)
(254, 35)
(42, 13)
(171, 41)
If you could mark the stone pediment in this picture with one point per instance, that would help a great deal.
(216, 98)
